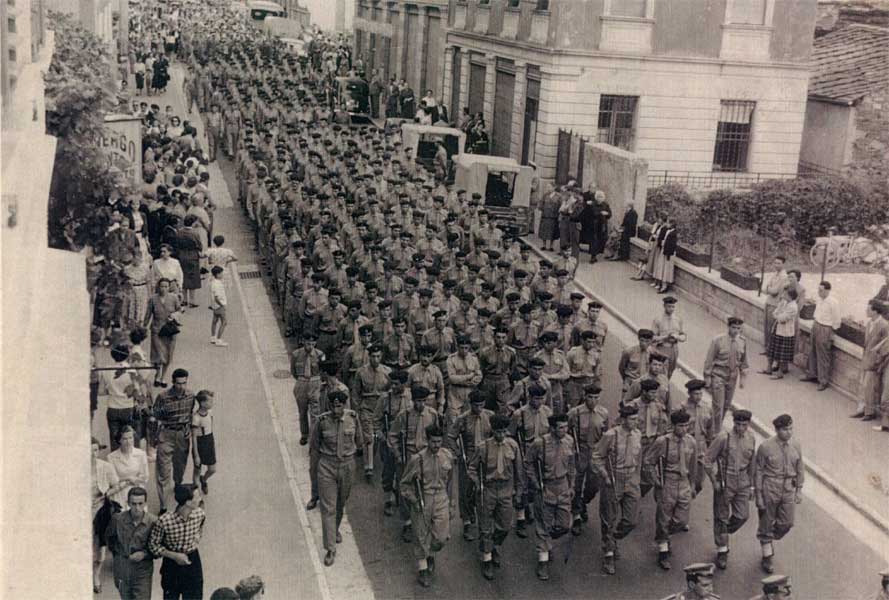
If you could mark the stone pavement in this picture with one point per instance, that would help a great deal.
(850, 455)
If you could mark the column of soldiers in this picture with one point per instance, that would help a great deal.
(429, 335)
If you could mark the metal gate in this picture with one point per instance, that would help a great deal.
(504, 99)
(563, 157)
(476, 88)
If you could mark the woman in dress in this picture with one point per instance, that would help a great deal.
(203, 223)
(189, 249)
(669, 241)
(548, 229)
(782, 344)
(136, 294)
(105, 485)
(130, 464)
(647, 268)
(161, 307)
(167, 267)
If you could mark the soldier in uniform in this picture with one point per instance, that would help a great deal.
(333, 455)
(498, 363)
(396, 400)
(674, 455)
(528, 423)
(657, 372)
(498, 475)
(779, 476)
(633, 360)
(587, 423)
(468, 431)
(729, 462)
(555, 369)
(425, 486)
(698, 582)
(654, 422)
(726, 368)
(427, 375)
(464, 374)
(371, 385)
(775, 587)
(519, 395)
(550, 470)
(700, 425)
(617, 459)
(668, 334)
(584, 366)
(399, 350)
(305, 366)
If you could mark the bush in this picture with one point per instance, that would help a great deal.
(664, 199)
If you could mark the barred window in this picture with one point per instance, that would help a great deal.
(617, 118)
(733, 135)
(10, 24)
(513, 3)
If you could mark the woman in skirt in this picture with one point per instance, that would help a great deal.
(161, 307)
(669, 240)
(548, 229)
(782, 345)
(189, 248)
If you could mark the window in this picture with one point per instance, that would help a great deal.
(512, 3)
(746, 12)
(628, 8)
(616, 120)
(542, 5)
(484, 2)
(733, 135)
(10, 24)
(12, 55)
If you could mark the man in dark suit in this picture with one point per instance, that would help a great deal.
(627, 232)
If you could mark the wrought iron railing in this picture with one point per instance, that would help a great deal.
(711, 180)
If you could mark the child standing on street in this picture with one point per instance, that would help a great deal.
(218, 303)
(204, 447)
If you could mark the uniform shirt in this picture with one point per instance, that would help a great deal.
(306, 365)
(668, 325)
(599, 328)
(175, 534)
(334, 436)
(726, 357)
(782, 461)
(464, 321)
(313, 302)
(430, 378)
(619, 449)
(533, 423)
(500, 462)
(653, 419)
(432, 470)
(556, 367)
(347, 330)
(481, 337)
(734, 454)
(584, 363)
(519, 395)
(473, 428)
(556, 459)
(634, 390)
(327, 388)
(399, 350)
(679, 454)
(700, 425)
(633, 362)
(355, 358)
(587, 426)
(463, 371)
(523, 335)
(371, 384)
(497, 362)
(442, 340)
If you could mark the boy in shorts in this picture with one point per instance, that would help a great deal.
(204, 448)
(218, 303)
(218, 255)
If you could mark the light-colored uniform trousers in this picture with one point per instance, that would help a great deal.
(731, 509)
(619, 508)
(723, 392)
(334, 486)
(431, 527)
(307, 393)
(673, 505)
(496, 514)
(776, 519)
(552, 510)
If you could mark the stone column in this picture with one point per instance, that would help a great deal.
(518, 109)
(490, 87)
(464, 82)
(448, 78)
(419, 54)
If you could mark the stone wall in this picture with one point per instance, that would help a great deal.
(870, 149)
(722, 300)
(622, 175)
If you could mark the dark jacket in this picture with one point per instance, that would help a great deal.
(669, 242)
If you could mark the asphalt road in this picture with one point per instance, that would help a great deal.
(825, 561)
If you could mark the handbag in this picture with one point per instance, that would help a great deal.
(169, 329)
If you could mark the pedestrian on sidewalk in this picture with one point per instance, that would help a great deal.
(175, 538)
(668, 334)
(173, 411)
(628, 229)
(332, 447)
(127, 536)
(725, 368)
(668, 240)
(873, 361)
(773, 289)
(218, 304)
(648, 267)
(189, 248)
(782, 342)
(548, 227)
(163, 316)
(122, 390)
(778, 483)
(204, 447)
(827, 320)
(729, 463)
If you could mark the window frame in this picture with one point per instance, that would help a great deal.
(10, 25)
(612, 134)
(648, 13)
(733, 145)
(767, 18)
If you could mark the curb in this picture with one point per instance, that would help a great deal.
(758, 426)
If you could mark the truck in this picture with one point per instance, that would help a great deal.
(504, 184)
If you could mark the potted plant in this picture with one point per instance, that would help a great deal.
(739, 265)
(693, 253)
(851, 330)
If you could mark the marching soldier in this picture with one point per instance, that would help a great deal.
(698, 582)
(730, 465)
(469, 431)
(498, 363)
(653, 423)
(333, 455)
(617, 459)
(528, 423)
(778, 477)
(396, 400)
(519, 395)
(657, 372)
(587, 423)
(498, 475)
(305, 366)
(464, 374)
(555, 368)
(634, 359)
(669, 332)
(426, 374)
(674, 455)
(425, 486)
(700, 425)
(550, 470)
(726, 368)
(584, 366)
(371, 385)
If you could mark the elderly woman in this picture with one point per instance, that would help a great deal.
(203, 223)
(162, 307)
(130, 464)
(782, 344)
(548, 228)
(105, 485)
(189, 249)
(167, 267)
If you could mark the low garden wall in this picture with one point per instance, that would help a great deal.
(723, 299)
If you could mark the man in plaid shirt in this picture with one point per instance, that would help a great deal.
(173, 409)
(175, 538)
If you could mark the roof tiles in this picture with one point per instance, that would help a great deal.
(850, 63)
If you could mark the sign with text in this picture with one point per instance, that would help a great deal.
(122, 143)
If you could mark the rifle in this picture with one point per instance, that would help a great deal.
(662, 465)
(722, 465)
(420, 486)
(482, 471)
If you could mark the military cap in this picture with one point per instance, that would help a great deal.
(671, 300)
(425, 292)
(398, 375)
(427, 349)
(334, 291)
(526, 309)
(735, 321)
(537, 391)
(544, 296)
(519, 273)
(627, 410)
(774, 583)
(549, 336)
(370, 285)
(476, 397)
(338, 396)
(385, 304)
(588, 335)
(310, 336)
(484, 312)
(463, 339)
(594, 304)
(467, 297)
(782, 421)
(487, 285)
(563, 310)
(695, 570)
(318, 277)
(679, 417)
(373, 348)
(450, 283)
(645, 333)
(649, 384)
(411, 280)
(536, 362)
(419, 392)
(695, 384)
(502, 329)
(742, 415)
(365, 330)
(513, 297)
(439, 313)
(563, 273)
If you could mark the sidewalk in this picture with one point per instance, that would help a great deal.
(846, 450)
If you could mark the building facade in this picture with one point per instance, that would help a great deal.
(404, 40)
(23, 35)
(691, 86)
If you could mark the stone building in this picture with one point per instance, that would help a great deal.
(847, 115)
(405, 40)
(698, 86)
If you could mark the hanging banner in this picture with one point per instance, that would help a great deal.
(122, 143)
